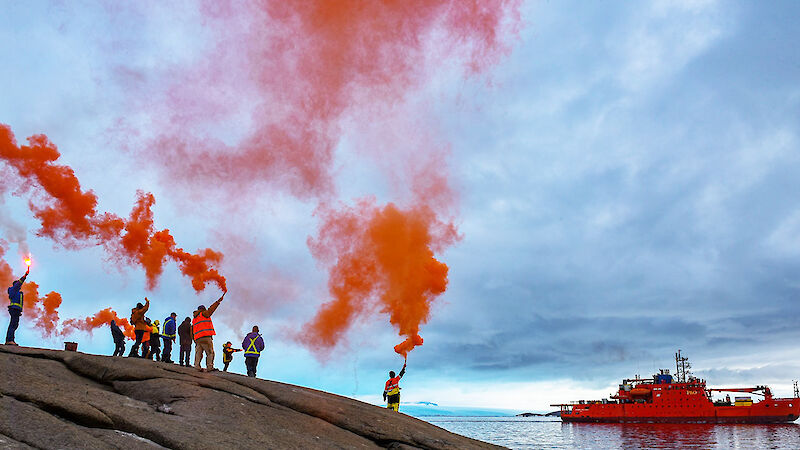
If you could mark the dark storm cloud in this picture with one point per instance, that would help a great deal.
(644, 203)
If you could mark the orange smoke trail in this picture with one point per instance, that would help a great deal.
(101, 318)
(382, 261)
(69, 216)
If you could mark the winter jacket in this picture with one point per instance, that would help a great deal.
(185, 333)
(169, 328)
(116, 332)
(15, 294)
(137, 317)
(253, 345)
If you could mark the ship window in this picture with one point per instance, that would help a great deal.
(790, 405)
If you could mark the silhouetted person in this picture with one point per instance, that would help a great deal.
(139, 327)
(169, 337)
(119, 339)
(391, 393)
(185, 341)
(253, 345)
(15, 307)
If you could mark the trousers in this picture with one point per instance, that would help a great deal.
(251, 362)
(204, 345)
(120, 347)
(13, 325)
(183, 358)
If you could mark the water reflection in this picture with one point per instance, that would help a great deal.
(540, 432)
(645, 435)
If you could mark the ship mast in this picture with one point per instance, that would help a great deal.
(682, 367)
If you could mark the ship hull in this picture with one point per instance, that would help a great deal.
(740, 419)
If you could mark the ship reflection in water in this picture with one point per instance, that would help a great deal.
(645, 435)
(541, 432)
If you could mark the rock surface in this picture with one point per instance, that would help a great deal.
(57, 399)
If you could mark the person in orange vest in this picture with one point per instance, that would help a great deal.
(391, 393)
(139, 325)
(202, 332)
(146, 339)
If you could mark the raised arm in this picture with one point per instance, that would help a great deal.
(214, 306)
(402, 371)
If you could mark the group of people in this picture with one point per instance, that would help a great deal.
(198, 330)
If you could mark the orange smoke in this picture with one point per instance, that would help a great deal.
(102, 318)
(406, 346)
(298, 69)
(69, 216)
(382, 261)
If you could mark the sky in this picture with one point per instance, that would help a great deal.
(621, 179)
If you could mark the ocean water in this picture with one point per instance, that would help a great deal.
(544, 433)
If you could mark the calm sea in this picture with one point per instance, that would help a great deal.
(538, 432)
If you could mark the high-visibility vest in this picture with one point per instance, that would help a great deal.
(393, 386)
(202, 327)
(251, 349)
(16, 303)
(166, 321)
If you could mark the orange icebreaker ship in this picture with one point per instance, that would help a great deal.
(685, 399)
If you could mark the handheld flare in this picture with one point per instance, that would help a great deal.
(28, 262)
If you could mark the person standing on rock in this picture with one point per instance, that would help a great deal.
(119, 339)
(185, 335)
(253, 345)
(15, 307)
(139, 325)
(146, 338)
(227, 354)
(169, 338)
(155, 342)
(202, 332)
(391, 393)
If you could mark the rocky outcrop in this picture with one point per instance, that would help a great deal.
(57, 399)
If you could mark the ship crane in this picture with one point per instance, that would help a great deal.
(754, 390)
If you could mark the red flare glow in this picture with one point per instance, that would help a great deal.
(28, 262)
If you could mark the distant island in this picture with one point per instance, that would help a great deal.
(550, 414)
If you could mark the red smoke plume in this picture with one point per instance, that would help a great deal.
(381, 260)
(296, 69)
(103, 317)
(69, 216)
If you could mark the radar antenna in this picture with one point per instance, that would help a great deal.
(682, 367)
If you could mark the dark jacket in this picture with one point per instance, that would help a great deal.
(185, 333)
(116, 332)
(258, 344)
(15, 294)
